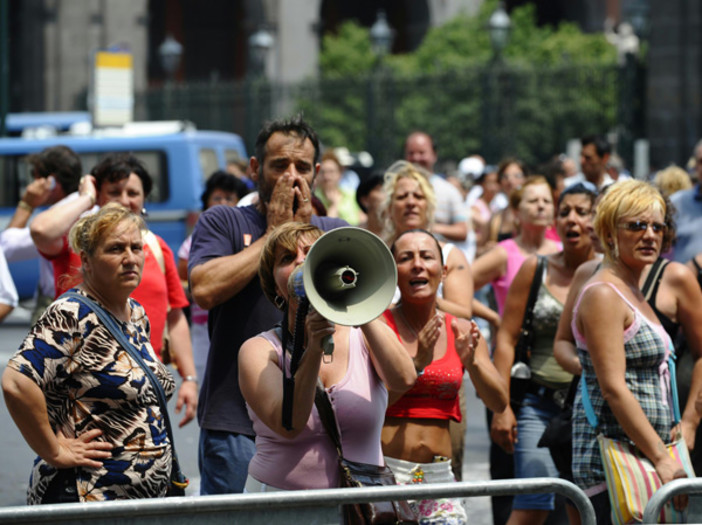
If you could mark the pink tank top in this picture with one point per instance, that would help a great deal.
(309, 460)
(515, 258)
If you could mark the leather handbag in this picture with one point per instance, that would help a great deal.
(521, 372)
(631, 477)
(558, 435)
(355, 474)
(178, 481)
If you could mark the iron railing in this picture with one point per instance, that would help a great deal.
(318, 507)
(495, 109)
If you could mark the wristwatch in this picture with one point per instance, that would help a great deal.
(190, 378)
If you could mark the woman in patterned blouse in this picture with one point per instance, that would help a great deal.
(81, 402)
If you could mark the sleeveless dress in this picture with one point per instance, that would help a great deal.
(646, 346)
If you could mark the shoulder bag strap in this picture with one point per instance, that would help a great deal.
(326, 414)
(528, 319)
(650, 287)
(587, 404)
(111, 324)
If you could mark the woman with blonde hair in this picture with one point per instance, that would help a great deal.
(671, 180)
(622, 346)
(81, 401)
(367, 363)
(410, 203)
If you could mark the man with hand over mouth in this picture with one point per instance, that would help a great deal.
(223, 267)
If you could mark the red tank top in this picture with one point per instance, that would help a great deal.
(435, 393)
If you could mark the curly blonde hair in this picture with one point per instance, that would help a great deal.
(406, 170)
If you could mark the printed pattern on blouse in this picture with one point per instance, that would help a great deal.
(90, 382)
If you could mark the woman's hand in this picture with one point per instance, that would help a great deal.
(426, 340)
(503, 430)
(82, 451)
(466, 342)
(317, 328)
(668, 469)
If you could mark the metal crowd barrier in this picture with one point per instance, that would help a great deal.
(314, 507)
(666, 492)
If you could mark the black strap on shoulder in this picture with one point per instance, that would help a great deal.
(653, 280)
(110, 322)
(699, 270)
(298, 338)
(528, 320)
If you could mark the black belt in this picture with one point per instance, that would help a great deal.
(557, 395)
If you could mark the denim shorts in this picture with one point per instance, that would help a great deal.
(531, 461)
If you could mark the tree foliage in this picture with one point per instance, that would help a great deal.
(552, 84)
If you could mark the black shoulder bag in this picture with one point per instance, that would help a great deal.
(354, 474)
(178, 480)
(521, 373)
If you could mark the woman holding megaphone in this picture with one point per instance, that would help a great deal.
(416, 437)
(367, 362)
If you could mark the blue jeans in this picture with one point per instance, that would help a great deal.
(224, 461)
(531, 461)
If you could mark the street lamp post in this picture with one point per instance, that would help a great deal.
(382, 37)
(170, 52)
(498, 27)
(260, 44)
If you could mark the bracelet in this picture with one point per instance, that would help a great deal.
(25, 206)
(92, 199)
(190, 378)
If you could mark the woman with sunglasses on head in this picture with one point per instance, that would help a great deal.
(518, 433)
(622, 346)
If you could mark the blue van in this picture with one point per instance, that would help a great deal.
(178, 157)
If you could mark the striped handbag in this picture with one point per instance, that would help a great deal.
(632, 480)
(631, 477)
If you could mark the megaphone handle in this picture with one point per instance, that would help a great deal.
(328, 348)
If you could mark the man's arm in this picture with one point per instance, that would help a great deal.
(35, 195)
(218, 280)
(49, 227)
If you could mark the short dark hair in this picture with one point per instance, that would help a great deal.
(393, 246)
(293, 126)
(602, 145)
(366, 186)
(61, 162)
(117, 166)
(222, 180)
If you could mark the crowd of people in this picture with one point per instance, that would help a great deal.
(613, 265)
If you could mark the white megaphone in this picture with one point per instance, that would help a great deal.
(349, 276)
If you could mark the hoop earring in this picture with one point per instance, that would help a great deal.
(279, 302)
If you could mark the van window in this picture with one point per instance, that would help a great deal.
(15, 174)
(208, 162)
(155, 163)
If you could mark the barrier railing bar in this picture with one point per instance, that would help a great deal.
(669, 490)
(133, 510)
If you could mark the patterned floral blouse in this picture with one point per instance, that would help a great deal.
(90, 382)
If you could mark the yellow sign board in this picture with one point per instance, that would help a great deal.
(113, 88)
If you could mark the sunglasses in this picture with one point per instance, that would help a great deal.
(642, 226)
